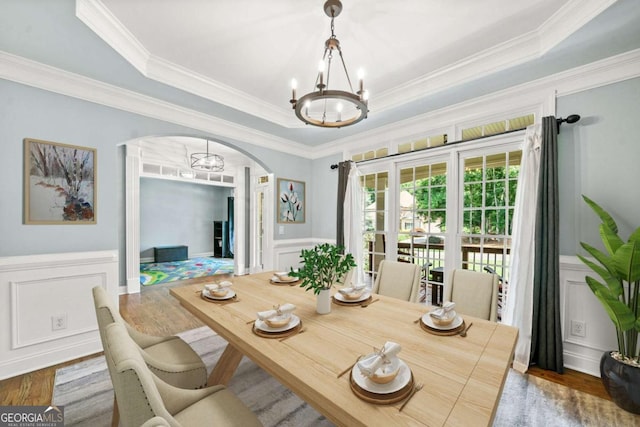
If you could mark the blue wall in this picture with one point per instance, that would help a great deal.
(599, 157)
(179, 213)
(27, 112)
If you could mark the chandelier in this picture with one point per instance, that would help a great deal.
(207, 162)
(327, 107)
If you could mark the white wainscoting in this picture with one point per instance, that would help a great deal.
(579, 304)
(39, 291)
(286, 253)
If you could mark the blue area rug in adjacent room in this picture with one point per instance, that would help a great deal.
(161, 272)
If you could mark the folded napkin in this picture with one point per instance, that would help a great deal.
(218, 286)
(370, 364)
(445, 312)
(352, 289)
(283, 309)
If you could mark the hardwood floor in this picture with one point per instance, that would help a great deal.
(155, 312)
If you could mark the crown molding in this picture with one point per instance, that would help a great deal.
(182, 78)
(606, 71)
(568, 19)
(541, 92)
(35, 74)
(102, 22)
(572, 16)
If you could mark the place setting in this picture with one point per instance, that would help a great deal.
(279, 322)
(382, 377)
(443, 321)
(219, 292)
(283, 278)
(355, 295)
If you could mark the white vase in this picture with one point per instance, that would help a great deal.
(323, 302)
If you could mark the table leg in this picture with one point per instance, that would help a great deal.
(226, 366)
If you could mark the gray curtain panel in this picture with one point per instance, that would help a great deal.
(343, 177)
(546, 334)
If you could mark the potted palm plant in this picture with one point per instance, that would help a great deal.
(321, 267)
(619, 292)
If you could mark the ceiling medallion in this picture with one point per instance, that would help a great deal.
(326, 107)
(207, 162)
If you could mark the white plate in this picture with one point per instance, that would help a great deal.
(427, 320)
(229, 295)
(276, 279)
(340, 297)
(295, 321)
(403, 378)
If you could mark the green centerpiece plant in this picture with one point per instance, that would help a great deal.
(618, 292)
(323, 266)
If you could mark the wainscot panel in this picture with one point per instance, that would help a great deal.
(286, 253)
(587, 330)
(46, 307)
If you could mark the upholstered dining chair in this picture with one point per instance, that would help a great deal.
(474, 293)
(170, 358)
(141, 395)
(398, 280)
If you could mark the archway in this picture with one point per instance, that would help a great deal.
(158, 154)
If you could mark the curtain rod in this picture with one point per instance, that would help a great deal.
(570, 119)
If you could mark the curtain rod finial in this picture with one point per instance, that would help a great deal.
(573, 118)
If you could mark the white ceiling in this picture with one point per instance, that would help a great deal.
(258, 46)
(243, 53)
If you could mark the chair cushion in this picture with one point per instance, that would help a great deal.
(220, 409)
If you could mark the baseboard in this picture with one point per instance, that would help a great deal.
(582, 363)
(33, 362)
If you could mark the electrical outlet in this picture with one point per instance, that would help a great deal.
(578, 328)
(59, 322)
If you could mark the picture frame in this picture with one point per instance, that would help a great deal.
(59, 183)
(291, 201)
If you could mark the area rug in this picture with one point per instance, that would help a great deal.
(86, 393)
(162, 272)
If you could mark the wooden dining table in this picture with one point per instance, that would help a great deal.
(463, 377)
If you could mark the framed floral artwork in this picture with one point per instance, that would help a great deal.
(291, 201)
(59, 183)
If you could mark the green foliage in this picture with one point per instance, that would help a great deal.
(619, 269)
(323, 266)
(499, 193)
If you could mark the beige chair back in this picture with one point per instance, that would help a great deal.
(170, 358)
(107, 313)
(136, 392)
(398, 280)
(475, 293)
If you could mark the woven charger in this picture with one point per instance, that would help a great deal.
(267, 334)
(354, 303)
(219, 301)
(442, 332)
(378, 398)
(280, 283)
